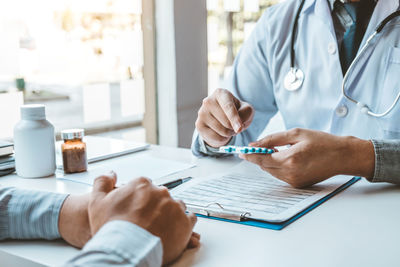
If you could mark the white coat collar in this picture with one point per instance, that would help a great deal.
(383, 9)
(321, 8)
(387, 5)
(332, 2)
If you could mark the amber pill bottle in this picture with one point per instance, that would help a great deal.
(74, 151)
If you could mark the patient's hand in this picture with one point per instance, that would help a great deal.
(147, 206)
(73, 222)
(314, 156)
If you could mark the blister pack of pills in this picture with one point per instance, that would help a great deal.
(245, 150)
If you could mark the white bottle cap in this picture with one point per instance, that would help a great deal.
(33, 112)
(72, 134)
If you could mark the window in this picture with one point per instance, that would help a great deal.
(229, 24)
(83, 59)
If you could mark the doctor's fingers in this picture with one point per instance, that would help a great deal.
(215, 125)
(230, 105)
(289, 137)
(211, 137)
(282, 175)
(211, 106)
(246, 113)
(265, 161)
(276, 169)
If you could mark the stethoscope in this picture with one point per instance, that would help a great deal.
(295, 77)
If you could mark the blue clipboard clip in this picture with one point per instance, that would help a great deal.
(219, 212)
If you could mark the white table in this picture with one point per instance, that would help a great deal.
(358, 227)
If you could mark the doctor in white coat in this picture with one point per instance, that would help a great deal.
(338, 96)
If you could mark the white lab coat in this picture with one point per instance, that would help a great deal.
(264, 60)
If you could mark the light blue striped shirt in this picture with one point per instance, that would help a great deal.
(26, 214)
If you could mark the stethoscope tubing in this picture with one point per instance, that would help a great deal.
(294, 31)
(363, 107)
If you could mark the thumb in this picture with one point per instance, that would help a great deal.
(192, 218)
(229, 104)
(278, 139)
(104, 184)
(246, 114)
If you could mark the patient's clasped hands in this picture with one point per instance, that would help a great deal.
(139, 202)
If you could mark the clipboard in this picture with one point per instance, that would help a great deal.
(240, 218)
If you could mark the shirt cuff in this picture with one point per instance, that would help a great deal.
(128, 241)
(212, 151)
(29, 214)
(387, 161)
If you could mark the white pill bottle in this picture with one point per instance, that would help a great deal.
(34, 143)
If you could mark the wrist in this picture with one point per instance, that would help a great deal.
(360, 157)
(128, 241)
(73, 221)
(217, 145)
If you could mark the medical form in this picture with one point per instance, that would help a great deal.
(248, 192)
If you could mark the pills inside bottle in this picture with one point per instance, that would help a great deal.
(74, 151)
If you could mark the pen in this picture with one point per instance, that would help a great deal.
(175, 183)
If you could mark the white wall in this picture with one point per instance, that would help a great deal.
(166, 72)
(181, 27)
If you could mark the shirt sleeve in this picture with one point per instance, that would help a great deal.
(26, 214)
(200, 148)
(250, 81)
(120, 243)
(387, 161)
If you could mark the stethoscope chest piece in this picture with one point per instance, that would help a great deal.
(294, 79)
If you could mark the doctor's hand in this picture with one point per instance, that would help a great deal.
(148, 206)
(314, 156)
(222, 116)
